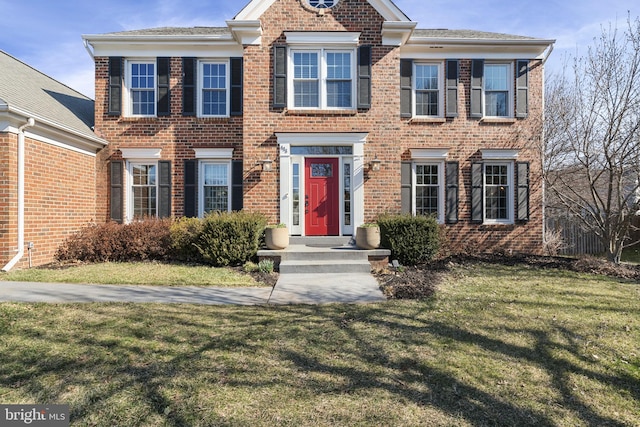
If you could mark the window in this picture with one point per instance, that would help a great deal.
(498, 192)
(427, 89)
(497, 87)
(142, 88)
(428, 189)
(214, 187)
(322, 79)
(322, 4)
(144, 189)
(214, 88)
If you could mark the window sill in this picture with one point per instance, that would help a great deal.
(321, 112)
(434, 120)
(498, 120)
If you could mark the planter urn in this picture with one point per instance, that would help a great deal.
(368, 237)
(276, 238)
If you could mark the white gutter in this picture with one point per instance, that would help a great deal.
(20, 254)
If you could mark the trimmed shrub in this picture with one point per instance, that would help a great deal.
(230, 238)
(185, 233)
(149, 239)
(411, 239)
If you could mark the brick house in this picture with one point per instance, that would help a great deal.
(323, 114)
(47, 164)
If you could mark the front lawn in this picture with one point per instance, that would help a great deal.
(496, 345)
(137, 273)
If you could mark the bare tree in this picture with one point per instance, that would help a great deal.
(592, 137)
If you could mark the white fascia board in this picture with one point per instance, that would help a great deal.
(499, 154)
(174, 46)
(246, 32)
(427, 48)
(429, 153)
(253, 10)
(322, 38)
(322, 138)
(386, 8)
(213, 153)
(397, 33)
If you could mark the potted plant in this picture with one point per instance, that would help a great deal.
(368, 236)
(276, 236)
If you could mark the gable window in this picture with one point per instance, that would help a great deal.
(322, 79)
(142, 88)
(322, 4)
(214, 186)
(144, 189)
(427, 89)
(497, 87)
(214, 85)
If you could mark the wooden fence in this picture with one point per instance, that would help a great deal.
(577, 240)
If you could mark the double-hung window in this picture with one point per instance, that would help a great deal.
(215, 189)
(144, 190)
(428, 183)
(214, 87)
(428, 94)
(142, 88)
(498, 192)
(322, 79)
(497, 89)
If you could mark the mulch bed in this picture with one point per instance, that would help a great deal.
(421, 281)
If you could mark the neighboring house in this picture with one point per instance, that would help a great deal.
(47, 164)
(323, 114)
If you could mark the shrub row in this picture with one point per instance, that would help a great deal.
(219, 239)
(411, 239)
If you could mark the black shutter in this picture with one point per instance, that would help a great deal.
(190, 188)
(364, 77)
(451, 207)
(164, 189)
(522, 89)
(236, 185)
(406, 71)
(164, 98)
(115, 85)
(477, 74)
(522, 174)
(236, 86)
(279, 76)
(452, 88)
(189, 72)
(406, 193)
(477, 179)
(117, 191)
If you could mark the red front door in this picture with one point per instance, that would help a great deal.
(322, 186)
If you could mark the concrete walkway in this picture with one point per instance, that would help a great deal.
(290, 289)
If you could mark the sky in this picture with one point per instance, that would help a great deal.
(47, 34)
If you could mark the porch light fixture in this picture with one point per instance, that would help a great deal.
(375, 164)
(267, 165)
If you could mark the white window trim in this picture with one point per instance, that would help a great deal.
(129, 198)
(510, 193)
(200, 76)
(128, 99)
(201, 165)
(414, 96)
(322, 76)
(510, 88)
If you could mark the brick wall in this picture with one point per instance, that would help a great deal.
(59, 197)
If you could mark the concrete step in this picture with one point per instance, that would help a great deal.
(305, 253)
(324, 266)
(321, 241)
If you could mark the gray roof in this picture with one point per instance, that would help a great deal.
(37, 94)
(467, 34)
(175, 31)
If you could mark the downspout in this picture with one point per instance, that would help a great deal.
(20, 254)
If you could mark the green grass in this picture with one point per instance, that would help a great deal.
(135, 273)
(497, 346)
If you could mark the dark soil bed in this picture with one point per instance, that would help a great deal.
(421, 281)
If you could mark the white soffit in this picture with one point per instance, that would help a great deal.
(213, 153)
(321, 138)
